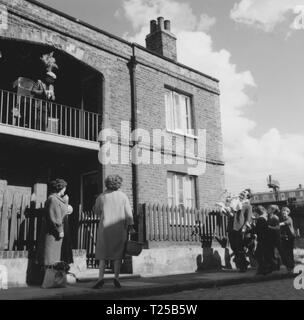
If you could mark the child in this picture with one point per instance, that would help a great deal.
(287, 239)
(261, 230)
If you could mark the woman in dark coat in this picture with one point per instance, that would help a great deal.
(52, 230)
(66, 249)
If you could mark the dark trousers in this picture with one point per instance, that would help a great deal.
(231, 240)
(240, 254)
(272, 260)
(286, 252)
(261, 257)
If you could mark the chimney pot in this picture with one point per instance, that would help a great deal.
(153, 26)
(168, 25)
(161, 23)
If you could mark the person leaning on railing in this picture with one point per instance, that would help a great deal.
(44, 90)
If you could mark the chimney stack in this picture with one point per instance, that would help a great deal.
(161, 40)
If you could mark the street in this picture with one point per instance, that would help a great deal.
(272, 290)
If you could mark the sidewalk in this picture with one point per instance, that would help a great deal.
(138, 287)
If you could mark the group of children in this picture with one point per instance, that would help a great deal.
(265, 235)
(275, 234)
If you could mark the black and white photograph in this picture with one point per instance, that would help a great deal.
(151, 153)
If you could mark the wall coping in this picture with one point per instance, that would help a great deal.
(25, 254)
(110, 35)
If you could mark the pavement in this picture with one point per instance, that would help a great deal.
(139, 287)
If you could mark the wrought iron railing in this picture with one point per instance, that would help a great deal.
(30, 113)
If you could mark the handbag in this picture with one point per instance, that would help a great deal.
(133, 248)
(55, 276)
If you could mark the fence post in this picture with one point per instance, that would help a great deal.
(141, 222)
(4, 222)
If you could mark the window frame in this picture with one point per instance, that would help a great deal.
(171, 119)
(174, 191)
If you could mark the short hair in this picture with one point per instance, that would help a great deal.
(249, 194)
(286, 208)
(113, 182)
(275, 208)
(57, 185)
(260, 210)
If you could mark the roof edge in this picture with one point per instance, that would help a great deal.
(87, 25)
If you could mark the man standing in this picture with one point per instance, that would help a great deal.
(241, 224)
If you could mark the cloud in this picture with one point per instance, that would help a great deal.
(267, 14)
(248, 159)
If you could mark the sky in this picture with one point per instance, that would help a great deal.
(255, 48)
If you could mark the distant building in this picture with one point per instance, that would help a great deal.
(296, 194)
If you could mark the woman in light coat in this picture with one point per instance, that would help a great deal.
(116, 219)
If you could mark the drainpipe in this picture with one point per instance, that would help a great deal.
(132, 69)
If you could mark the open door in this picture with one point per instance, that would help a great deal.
(89, 190)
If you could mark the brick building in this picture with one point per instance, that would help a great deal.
(102, 82)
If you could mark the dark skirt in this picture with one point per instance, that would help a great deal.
(66, 248)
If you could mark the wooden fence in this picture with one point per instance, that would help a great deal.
(19, 226)
(177, 224)
(158, 223)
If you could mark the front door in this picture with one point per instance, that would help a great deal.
(88, 222)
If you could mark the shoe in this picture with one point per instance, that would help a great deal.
(98, 285)
(117, 283)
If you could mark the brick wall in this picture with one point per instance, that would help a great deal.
(110, 56)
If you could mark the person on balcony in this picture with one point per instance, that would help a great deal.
(46, 91)
(52, 229)
(116, 219)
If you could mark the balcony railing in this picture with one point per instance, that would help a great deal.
(45, 116)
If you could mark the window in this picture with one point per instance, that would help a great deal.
(181, 190)
(283, 196)
(301, 194)
(178, 113)
(292, 194)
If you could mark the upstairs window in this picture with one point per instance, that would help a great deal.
(178, 113)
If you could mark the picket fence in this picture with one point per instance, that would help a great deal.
(19, 226)
(159, 223)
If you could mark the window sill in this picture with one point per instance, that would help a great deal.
(186, 135)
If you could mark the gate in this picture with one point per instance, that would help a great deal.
(87, 235)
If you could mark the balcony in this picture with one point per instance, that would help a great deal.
(42, 118)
